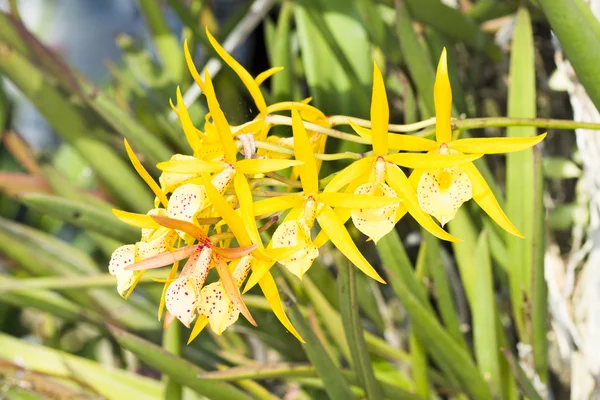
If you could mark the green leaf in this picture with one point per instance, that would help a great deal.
(524, 194)
(416, 58)
(334, 44)
(335, 384)
(443, 293)
(526, 385)
(419, 366)
(83, 215)
(454, 24)
(76, 125)
(178, 369)
(348, 300)
(110, 383)
(290, 370)
(441, 347)
(578, 38)
(167, 45)
(283, 81)
(487, 349)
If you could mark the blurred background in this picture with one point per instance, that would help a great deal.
(79, 75)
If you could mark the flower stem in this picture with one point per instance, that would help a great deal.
(335, 120)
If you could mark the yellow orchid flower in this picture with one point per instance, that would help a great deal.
(245, 231)
(441, 191)
(384, 179)
(309, 206)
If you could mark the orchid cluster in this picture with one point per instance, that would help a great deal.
(214, 207)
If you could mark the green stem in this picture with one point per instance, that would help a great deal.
(495, 122)
(172, 343)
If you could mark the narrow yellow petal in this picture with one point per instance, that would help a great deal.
(141, 221)
(332, 225)
(244, 195)
(349, 174)
(230, 217)
(219, 120)
(145, 175)
(190, 63)
(356, 201)
(186, 123)
(304, 152)
(275, 204)
(442, 96)
(380, 114)
(244, 75)
(430, 160)
(259, 270)
(398, 141)
(263, 165)
(263, 76)
(405, 190)
(170, 278)
(307, 111)
(231, 289)
(495, 145)
(191, 166)
(250, 127)
(269, 289)
(199, 325)
(484, 197)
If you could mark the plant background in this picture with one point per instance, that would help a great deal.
(488, 317)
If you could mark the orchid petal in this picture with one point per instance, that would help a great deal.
(199, 325)
(190, 64)
(142, 221)
(495, 145)
(191, 166)
(430, 160)
(441, 192)
(186, 123)
(275, 204)
(405, 190)
(269, 289)
(349, 174)
(295, 233)
(398, 141)
(263, 165)
(263, 76)
(186, 202)
(250, 127)
(304, 152)
(483, 195)
(163, 259)
(378, 222)
(160, 243)
(169, 280)
(182, 226)
(230, 217)
(223, 179)
(223, 128)
(145, 175)
(216, 306)
(244, 75)
(169, 181)
(306, 111)
(234, 253)
(334, 228)
(380, 114)
(182, 298)
(121, 258)
(244, 195)
(442, 96)
(231, 289)
(356, 201)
